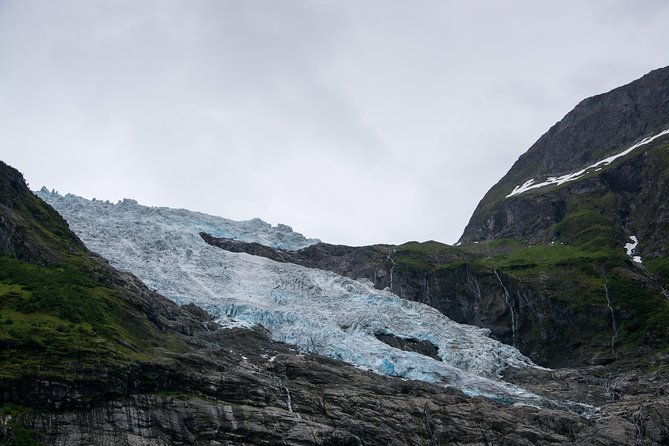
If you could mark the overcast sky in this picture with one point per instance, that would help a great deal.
(354, 121)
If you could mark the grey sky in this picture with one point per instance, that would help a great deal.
(357, 122)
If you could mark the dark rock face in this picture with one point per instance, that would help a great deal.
(289, 400)
(355, 262)
(631, 195)
(425, 348)
(598, 127)
(213, 394)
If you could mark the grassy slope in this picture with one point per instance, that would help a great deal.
(429, 257)
(58, 320)
(660, 266)
(573, 277)
(60, 314)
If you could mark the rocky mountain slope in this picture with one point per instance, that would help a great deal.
(582, 217)
(630, 201)
(90, 355)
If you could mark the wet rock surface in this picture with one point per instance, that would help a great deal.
(426, 348)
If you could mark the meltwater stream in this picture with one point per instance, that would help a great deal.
(317, 311)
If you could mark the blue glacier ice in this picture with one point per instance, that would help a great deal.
(317, 311)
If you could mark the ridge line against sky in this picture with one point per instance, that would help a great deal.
(355, 122)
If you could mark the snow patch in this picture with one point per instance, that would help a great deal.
(631, 249)
(530, 184)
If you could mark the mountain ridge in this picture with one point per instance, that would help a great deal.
(597, 127)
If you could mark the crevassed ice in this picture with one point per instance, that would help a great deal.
(90, 214)
(531, 184)
(315, 310)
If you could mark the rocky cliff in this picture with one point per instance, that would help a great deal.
(597, 128)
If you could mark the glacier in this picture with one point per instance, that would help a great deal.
(316, 311)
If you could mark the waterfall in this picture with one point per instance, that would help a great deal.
(507, 298)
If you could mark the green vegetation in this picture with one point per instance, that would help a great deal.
(60, 314)
(14, 410)
(659, 267)
(587, 223)
(57, 319)
(46, 231)
(21, 436)
(428, 256)
(540, 258)
(644, 313)
(576, 276)
(63, 291)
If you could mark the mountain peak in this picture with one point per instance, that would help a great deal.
(594, 136)
(600, 125)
